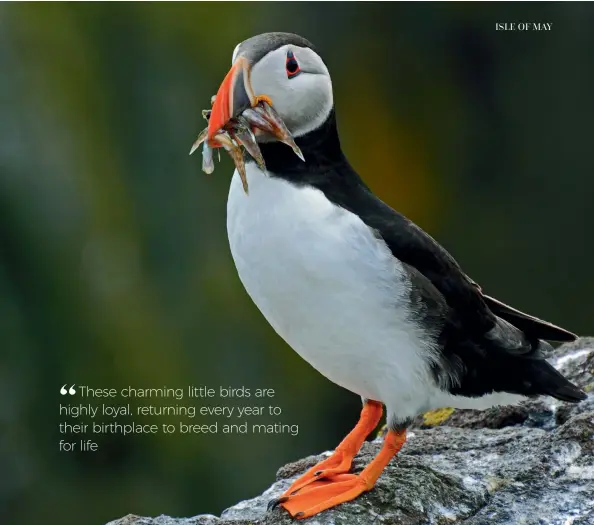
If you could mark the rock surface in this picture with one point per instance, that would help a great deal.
(527, 465)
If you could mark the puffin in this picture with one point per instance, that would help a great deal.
(364, 295)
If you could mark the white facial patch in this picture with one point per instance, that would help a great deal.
(304, 101)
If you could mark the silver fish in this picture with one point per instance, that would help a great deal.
(207, 160)
(201, 138)
(239, 133)
(256, 119)
(242, 133)
(275, 126)
(236, 154)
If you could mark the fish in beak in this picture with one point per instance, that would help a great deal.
(236, 117)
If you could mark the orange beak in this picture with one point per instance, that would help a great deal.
(234, 96)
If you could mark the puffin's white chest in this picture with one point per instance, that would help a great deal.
(328, 287)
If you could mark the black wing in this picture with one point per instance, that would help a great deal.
(410, 244)
(529, 324)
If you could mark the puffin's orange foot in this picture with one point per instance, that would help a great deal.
(325, 494)
(337, 463)
(321, 494)
(340, 460)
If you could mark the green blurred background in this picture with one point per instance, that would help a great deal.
(114, 263)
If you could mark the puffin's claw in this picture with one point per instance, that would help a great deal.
(273, 503)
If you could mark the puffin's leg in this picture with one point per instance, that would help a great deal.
(340, 460)
(323, 494)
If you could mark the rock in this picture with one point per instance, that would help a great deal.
(526, 465)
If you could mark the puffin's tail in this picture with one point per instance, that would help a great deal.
(520, 366)
(510, 359)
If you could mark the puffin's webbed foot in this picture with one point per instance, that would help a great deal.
(322, 494)
(340, 460)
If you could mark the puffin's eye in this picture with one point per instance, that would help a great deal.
(292, 66)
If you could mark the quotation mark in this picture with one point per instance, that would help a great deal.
(70, 391)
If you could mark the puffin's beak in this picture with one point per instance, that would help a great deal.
(234, 96)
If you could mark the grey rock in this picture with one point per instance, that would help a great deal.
(526, 465)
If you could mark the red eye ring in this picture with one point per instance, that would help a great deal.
(292, 66)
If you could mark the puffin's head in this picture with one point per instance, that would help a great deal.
(283, 69)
